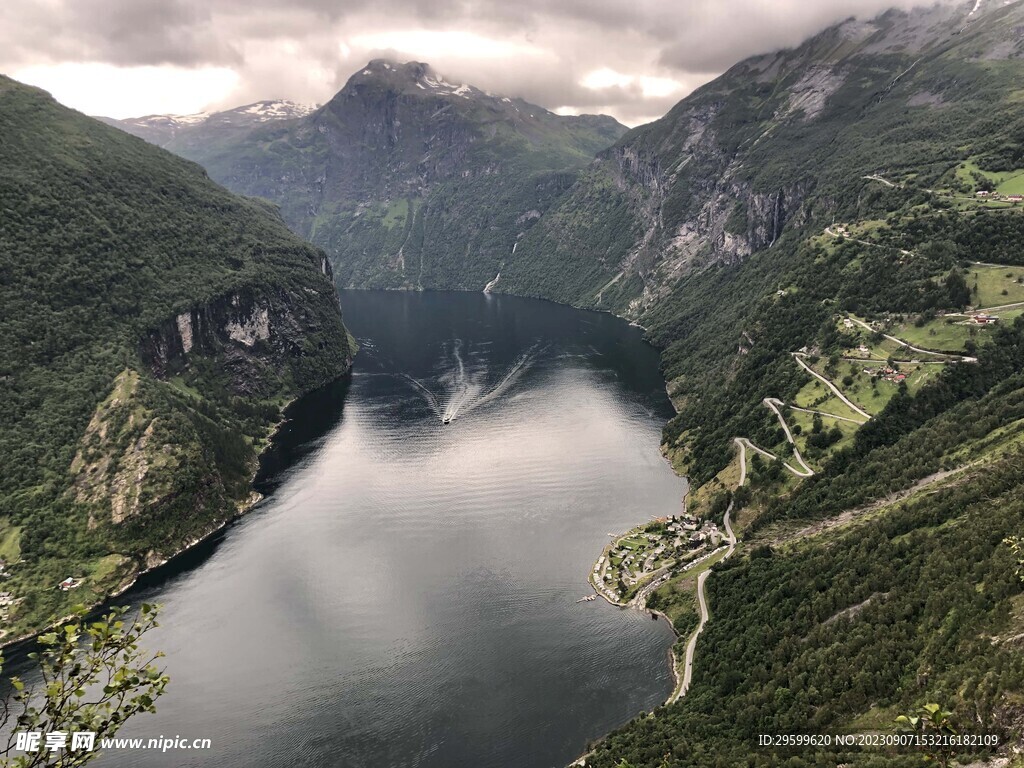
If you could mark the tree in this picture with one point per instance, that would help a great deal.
(816, 423)
(1016, 545)
(94, 677)
(957, 290)
(930, 720)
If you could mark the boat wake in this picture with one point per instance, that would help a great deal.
(465, 391)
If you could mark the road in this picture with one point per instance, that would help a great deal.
(691, 646)
(797, 356)
(901, 342)
(833, 233)
(743, 460)
(773, 404)
(771, 455)
(640, 598)
(1002, 307)
(829, 415)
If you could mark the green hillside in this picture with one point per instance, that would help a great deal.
(811, 224)
(825, 243)
(152, 327)
(406, 180)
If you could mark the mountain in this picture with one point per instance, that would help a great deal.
(153, 326)
(162, 129)
(777, 142)
(824, 242)
(405, 179)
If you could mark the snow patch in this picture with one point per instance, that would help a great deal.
(277, 110)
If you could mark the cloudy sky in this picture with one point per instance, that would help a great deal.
(629, 58)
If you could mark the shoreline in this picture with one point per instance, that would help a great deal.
(243, 508)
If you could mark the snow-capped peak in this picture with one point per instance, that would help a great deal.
(438, 84)
(276, 110)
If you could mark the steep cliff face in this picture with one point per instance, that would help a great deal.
(153, 326)
(777, 142)
(254, 334)
(406, 179)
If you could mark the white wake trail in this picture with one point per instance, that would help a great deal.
(460, 388)
(514, 373)
(427, 394)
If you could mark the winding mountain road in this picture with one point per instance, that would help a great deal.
(826, 413)
(743, 460)
(902, 343)
(799, 358)
(691, 646)
(773, 404)
(771, 455)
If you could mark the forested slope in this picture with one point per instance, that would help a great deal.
(152, 326)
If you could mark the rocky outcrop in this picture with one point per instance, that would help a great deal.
(253, 333)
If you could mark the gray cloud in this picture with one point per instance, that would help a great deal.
(306, 49)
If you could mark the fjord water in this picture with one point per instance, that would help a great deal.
(406, 593)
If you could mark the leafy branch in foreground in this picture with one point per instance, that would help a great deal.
(931, 720)
(94, 677)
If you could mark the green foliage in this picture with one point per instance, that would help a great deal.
(892, 614)
(932, 722)
(94, 677)
(104, 241)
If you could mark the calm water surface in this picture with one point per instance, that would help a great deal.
(405, 595)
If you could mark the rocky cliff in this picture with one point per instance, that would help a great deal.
(776, 142)
(154, 325)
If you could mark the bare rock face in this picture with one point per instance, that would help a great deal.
(252, 334)
(762, 150)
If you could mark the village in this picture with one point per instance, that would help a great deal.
(650, 551)
(983, 194)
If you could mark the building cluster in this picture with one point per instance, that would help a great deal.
(7, 601)
(887, 373)
(642, 552)
(986, 195)
(982, 319)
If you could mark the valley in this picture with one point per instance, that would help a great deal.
(823, 244)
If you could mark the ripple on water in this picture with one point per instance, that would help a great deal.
(406, 595)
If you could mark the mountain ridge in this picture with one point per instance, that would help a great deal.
(154, 325)
(405, 179)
